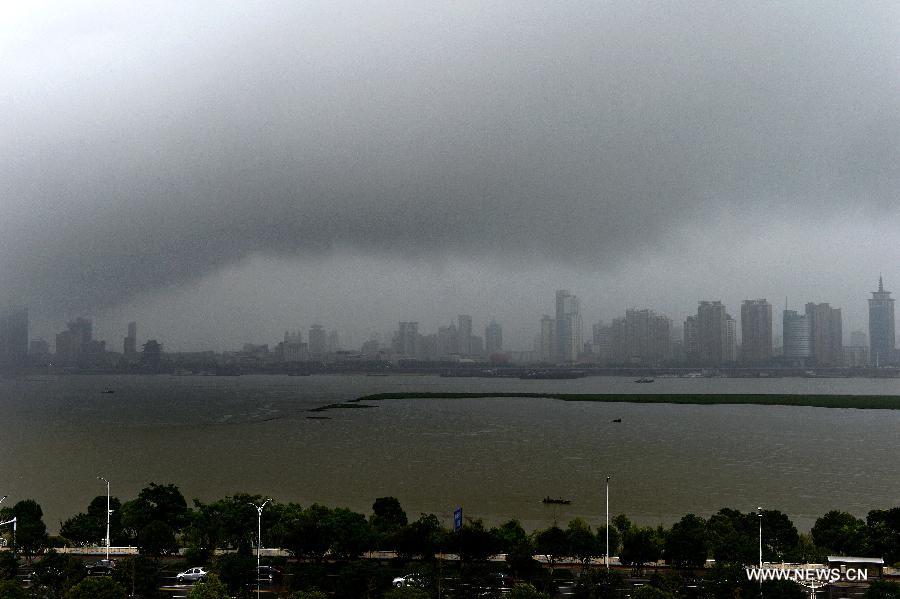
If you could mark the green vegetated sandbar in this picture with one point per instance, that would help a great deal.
(859, 402)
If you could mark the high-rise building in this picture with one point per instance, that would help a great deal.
(447, 341)
(825, 334)
(548, 339)
(642, 337)
(407, 340)
(729, 353)
(691, 342)
(493, 338)
(602, 340)
(881, 327)
(73, 344)
(130, 343)
(318, 342)
(796, 335)
(14, 338)
(464, 334)
(756, 331)
(711, 333)
(334, 342)
(569, 341)
(858, 339)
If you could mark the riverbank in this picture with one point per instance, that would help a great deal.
(858, 402)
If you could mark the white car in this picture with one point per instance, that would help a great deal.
(192, 575)
(410, 580)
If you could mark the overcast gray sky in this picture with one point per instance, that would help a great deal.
(221, 171)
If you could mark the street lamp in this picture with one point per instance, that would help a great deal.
(2, 498)
(759, 515)
(259, 511)
(108, 513)
(607, 523)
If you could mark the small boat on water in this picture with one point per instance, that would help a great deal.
(107, 391)
(644, 380)
(556, 500)
(617, 420)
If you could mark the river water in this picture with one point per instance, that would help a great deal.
(214, 436)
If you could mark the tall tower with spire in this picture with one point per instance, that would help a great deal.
(881, 327)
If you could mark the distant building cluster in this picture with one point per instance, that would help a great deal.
(709, 338)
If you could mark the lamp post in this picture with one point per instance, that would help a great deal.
(2, 498)
(759, 517)
(607, 523)
(259, 511)
(108, 512)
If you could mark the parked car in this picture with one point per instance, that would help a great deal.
(268, 574)
(410, 580)
(191, 575)
(103, 567)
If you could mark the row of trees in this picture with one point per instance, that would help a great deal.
(160, 522)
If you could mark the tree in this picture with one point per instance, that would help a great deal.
(669, 582)
(526, 591)
(641, 545)
(553, 543)
(882, 589)
(360, 579)
(387, 517)
(55, 574)
(11, 589)
(883, 531)
(9, 565)
(350, 533)
(733, 537)
(407, 593)
(581, 541)
(422, 538)
(90, 528)
(651, 592)
(164, 503)
(783, 589)
(615, 539)
(779, 535)
(840, 533)
(474, 543)
(312, 594)
(31, 532)
(687, 545)
(96, 588)
(208, 588)
(235, 571)
(599, 584)
(305, 532)
(138, 575)
(157, 539)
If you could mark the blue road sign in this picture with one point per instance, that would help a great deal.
(457, 519)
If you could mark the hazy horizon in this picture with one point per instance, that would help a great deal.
(220, 173)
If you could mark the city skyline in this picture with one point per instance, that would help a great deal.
(449, 161)
(711, 336)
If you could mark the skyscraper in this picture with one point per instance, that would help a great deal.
(14, 338)
(881, 327)
(711, 333)
(569, 340)
(130, 343)
(797, 342)
(318, 341)
(642, 337)
(464, 334)
(691, 344)
(408, 339)
(825, 334)
(756, 331)
(493, 338)
(548, 339)
(729, 352)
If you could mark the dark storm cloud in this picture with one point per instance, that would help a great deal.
(147, 147)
